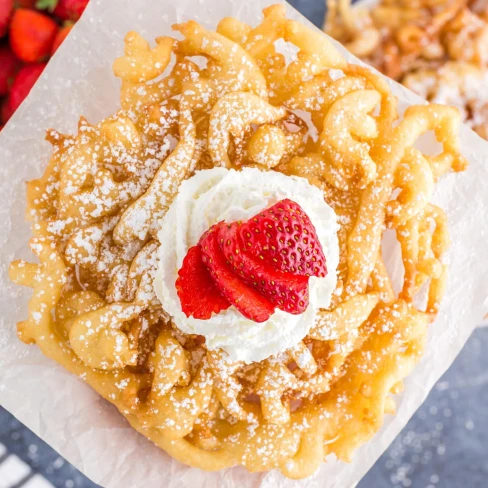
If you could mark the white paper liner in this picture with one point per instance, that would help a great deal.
(63, 410)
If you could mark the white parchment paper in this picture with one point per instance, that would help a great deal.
(64, 411)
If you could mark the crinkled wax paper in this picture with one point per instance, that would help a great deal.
(63, 410)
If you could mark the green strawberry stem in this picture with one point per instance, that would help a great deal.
(47, 4)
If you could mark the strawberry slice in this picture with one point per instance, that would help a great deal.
(286, 291)
(247, 300)
(284, 237)
(199, 296)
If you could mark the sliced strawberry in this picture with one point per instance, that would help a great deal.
(286, 291)
(199, 296)
(284, 237)
(247, 300)
(258, 265)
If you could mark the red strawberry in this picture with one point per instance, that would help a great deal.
(25, 3)
(199, 296)
(64, 9)
(24, 81)
(248, 301)
(70, 9)
(5, 111)
(32, 35)
(6, 7)
(9, 65)
(60, 37)
(286, 291)
(284, 237)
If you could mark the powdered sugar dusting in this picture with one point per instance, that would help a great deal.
(58, 104)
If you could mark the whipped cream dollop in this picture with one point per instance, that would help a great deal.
(219, 194)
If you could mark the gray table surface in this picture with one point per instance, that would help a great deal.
(445, 444)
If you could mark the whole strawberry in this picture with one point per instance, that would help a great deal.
(6, 7)
(25, 3)
(32, 35)
(5, 111)
(9, 65)
(64, 9)
(60, 37)
(24, 81)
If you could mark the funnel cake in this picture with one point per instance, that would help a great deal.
(99, 219)
(436, 48)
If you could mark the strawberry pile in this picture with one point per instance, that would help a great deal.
(30, 33)
(258, 266)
